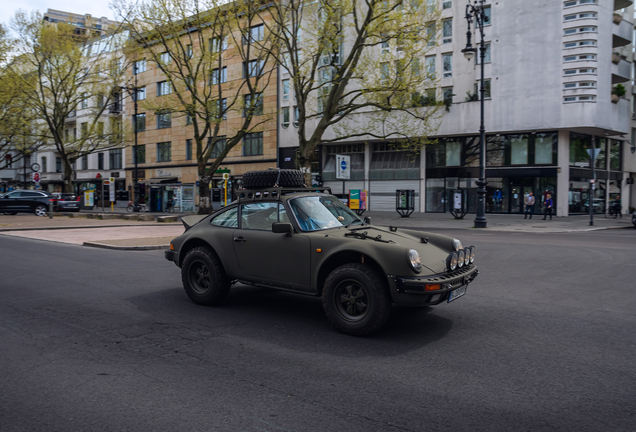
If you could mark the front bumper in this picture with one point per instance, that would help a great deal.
(410, 291)
(173, 256)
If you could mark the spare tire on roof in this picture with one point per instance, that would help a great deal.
(267, 178)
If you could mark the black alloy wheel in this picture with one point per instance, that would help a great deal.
(203, 277)
(351, 300)
(356, 299)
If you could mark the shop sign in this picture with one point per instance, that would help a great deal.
(222, 171)
(162, 173)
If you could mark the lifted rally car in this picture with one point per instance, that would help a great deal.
(306, 241)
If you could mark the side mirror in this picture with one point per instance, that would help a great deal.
(367, 220)
(282, 228)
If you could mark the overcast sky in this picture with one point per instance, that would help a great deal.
(97, 8)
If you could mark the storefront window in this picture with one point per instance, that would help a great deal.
(497, 195)
(518, 149)
(452, 183)
(355, 151)
(495, 154)
(543, 148)
(453, 153)
(435, 195)
(471, 152)
(435, 155)
(578, 150)
(393, 162)
(615, 155)
(577, 195)
(601, 159)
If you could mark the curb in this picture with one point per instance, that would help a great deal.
(515, 230)
(107, 246)
(88, 226)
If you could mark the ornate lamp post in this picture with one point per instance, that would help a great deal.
(132, 91)
(475, 11)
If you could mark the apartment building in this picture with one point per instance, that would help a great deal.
(85, 24)
(551, 71)
(167, 160)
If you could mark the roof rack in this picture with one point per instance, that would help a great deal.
(260, 194)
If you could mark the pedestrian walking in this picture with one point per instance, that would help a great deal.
(617, 206)
(529, 202)
(548, 206)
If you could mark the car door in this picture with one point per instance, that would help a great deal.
(10, 202)
(265, 256)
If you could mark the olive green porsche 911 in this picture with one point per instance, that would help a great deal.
(307, 241)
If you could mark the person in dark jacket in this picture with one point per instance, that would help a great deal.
(548, 203)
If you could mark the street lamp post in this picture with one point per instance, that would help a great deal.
(132, 91)
(475, 11)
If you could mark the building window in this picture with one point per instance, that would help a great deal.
(285, 89)
(486, 54)
(44, 167)
(257, 104)
(447, 4)
(615, 155)
(285, 113)
(221, 109)
(84, 129)
(518, 149)
(453, 153)
(140, 157)
(584, 71)
(188, 51)
(139, 122)
(164, 120)
(253, 68)
(218, 42)
(188, 149)
(114, 159)
(447, 61)
(486, 89)
(256, 33)
(100, 161)
(575, 30)
(447, 31)
(139, 67)
(219, 146)
(253, 144)
(488, 13)
(58, 164)
(219, 78)
(85, 162)
(141, 93)
(165, 58)
(585, 15)
(296, 116)
(164, 88)
(447, 94)
(84, 101)
(431, 34)
(430, 68)
(99, 100)
(164, 152)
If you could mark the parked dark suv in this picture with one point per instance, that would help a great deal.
(26, 201)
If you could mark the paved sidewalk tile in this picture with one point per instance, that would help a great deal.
(79, 236)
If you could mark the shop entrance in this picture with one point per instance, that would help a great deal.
(517, 197)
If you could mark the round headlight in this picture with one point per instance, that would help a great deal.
(461, 258)
(415, 261)
(457, 245)
(472, 254)
(451, 261)
(466, 256)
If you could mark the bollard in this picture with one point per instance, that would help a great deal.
(50, 209)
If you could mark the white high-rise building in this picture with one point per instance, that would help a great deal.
(551, 69)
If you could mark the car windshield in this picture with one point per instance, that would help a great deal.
(316, 213)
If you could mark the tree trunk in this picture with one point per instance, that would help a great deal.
(205, 204)
(68, 176)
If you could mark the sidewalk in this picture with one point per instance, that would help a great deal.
(135, 235)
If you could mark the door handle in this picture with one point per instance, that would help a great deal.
(239, 239)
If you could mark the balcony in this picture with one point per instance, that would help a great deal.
(621, 72)
(620, 4)
(622, 33)
(115, 108)
(72, 116)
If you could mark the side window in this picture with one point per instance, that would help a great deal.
(32, 194)
(14, 195)
(228, 218)
(259, 216)
(282, 214)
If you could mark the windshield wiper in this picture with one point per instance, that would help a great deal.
(355, 221)
(364, 236)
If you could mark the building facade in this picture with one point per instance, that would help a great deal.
(551, 81)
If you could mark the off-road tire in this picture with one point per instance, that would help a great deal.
(267, 178)
(359, 281)
(204, 278)
(40, 210)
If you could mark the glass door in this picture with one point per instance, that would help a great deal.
(518, 193)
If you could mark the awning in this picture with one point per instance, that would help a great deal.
(159, 180)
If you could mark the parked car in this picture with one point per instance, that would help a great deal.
(306, 241)
(599, 205)
(27, 201)
(634, 218)
(67, 202)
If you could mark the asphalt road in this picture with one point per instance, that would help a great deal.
(100, 340)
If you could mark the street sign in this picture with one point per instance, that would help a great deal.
(111, 189)
(596, 152)
(343, 167)
(36, 177)
(226, 176)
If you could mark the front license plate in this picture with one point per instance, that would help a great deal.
(455, 294)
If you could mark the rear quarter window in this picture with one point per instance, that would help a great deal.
(228, 218)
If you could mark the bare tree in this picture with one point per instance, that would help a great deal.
(192, 42)
(358, 70)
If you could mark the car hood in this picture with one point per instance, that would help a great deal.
(433, 248)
